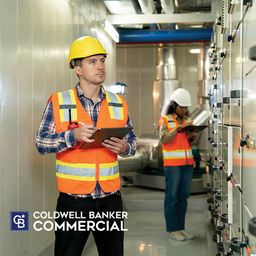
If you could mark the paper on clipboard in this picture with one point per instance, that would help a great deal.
(105, 133)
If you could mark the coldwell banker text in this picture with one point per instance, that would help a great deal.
(79, 221)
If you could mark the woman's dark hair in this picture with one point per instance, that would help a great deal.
(171, 108)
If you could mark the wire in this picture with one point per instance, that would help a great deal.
(250, 71)
(248, 211)
(239, 23)
(235, 183)
(234, 33)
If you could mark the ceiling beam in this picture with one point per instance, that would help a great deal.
(160, 18)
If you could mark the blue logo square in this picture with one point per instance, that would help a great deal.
(19, 221)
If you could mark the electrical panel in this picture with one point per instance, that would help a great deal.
(232, 134)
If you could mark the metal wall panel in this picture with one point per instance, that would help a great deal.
(236, 66)
(224, 158)
(237, 204)
(136, 68)
(26, 141)
(38, 46)
(226, 67)
(249, 122)
(226, 93)
(10, 116)
(34, 42)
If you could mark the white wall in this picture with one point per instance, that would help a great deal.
(34, 42)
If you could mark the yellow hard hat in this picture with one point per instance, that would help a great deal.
(85, 46)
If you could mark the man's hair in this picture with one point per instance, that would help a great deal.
(76, 62)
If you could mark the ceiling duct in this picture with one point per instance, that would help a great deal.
(122, 6)
(147, 6)
(166, 80)
(183, 6)
(167, 6)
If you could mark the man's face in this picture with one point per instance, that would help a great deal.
(93, 69)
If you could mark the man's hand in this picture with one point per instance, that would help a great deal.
(84, 132)
(118, 146)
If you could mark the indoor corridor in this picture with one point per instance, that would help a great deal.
(179, 74)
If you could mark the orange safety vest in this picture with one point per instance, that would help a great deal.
(77, 170)
(178, 152)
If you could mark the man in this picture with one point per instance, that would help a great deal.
(88, 179)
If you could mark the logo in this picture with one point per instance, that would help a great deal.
(19, 221)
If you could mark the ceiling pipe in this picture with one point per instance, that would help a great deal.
(127, 36)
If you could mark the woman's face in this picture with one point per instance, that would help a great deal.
(181, 111)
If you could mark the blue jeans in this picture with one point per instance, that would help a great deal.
(177, 190)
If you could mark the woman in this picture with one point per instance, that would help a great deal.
(178, 163)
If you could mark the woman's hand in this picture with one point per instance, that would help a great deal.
(181, 126)
(191, 135)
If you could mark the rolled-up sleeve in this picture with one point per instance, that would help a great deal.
(131, 140)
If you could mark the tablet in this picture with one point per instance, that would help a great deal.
(104, 134)
(193, 128)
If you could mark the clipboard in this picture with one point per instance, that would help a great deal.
(193, 128)
(104, 134)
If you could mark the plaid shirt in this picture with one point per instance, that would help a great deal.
(49, 141)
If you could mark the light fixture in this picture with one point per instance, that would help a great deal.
(118, 88)
(195, 51)
(197, 26)
(111, 31)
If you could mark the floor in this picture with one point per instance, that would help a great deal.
(146, 228)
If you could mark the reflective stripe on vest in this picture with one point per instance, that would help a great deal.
(188, 120)
(170, 122)
(75, 171)
(115, 106)
(86, 172)
(177, 154)
(67, 101)
(109, 171)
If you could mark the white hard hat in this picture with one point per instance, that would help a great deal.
(182, 97)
